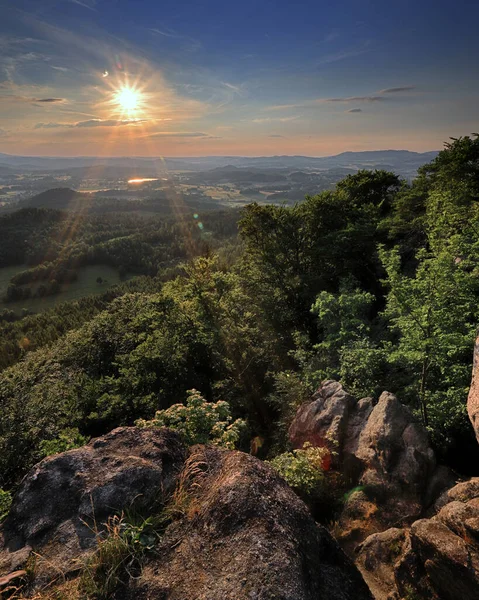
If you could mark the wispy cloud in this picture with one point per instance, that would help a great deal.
(48, 100)
(396, 90)
(343, 54)
(16, 99)
(180, 134)
(90, 4)
(62, 69)
(331, 36)
(354, 110)
(355, 99)
(188, 42)
(380, 96)
(90, 123)
(275, 119)
(276, 135)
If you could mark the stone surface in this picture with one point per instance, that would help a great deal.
(380, 449)
(246, 535)
(239, 532)
(473, 398)
(440, 557)
(66, 498)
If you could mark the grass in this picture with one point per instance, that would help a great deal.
(120, 554)
(85, 285)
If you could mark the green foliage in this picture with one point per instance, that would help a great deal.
(67, 439)
(374, 283)
(200, 422)
(5, 503)
(345, 351)
(435, 314)
(119, 555)
(302, 469)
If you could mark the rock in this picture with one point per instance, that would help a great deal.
(323, 422)
(65, 499)
(246, 535)
(440, 557)
(239, 531)
(473, 398)
(377, 558)
(380, 449)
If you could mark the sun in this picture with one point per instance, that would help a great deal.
(128, 99)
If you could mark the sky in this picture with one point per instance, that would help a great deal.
(222, 77)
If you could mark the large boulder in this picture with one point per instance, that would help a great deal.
(434, 559)
(380, 449)
(246, 535)
(64, 501)
(237, 531)
(473, 398)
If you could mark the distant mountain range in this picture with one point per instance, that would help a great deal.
(402, 162)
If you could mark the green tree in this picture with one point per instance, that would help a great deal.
(434, 313)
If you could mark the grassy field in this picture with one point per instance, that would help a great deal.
(85, 285)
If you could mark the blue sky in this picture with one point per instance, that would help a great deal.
(245, 78)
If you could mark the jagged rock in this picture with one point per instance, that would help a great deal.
(66, 497)
(473, 398)
(377, 558)
(323, 422)
(380, 449)
(246, 535)
(439, 559)
(243, 534)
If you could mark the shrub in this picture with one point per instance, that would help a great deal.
(200, 422)
(303, 469)
(68, 439)
(5, 503)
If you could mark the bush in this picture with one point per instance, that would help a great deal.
(303, 469)
(5, 503)
(200, 422)
(68, 439)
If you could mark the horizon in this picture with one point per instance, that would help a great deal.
(186, 156)
(122, 78)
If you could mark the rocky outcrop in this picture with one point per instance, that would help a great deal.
(473, 398)
(247, 535)
(238, 532)
(64, 501)
(435, 559)
(377, 447)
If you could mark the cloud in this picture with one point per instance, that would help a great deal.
(275, 119)
(354, 110)
(355, 99)
(90, 4)
(395, 90)
(276, 135)
(62, 69)
(332, 35)
(90, 123)
(188, 43)
(109, 122)
(48, 100)
(180, 134)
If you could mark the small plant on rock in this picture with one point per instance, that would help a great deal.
(303, 469)
(120, 554)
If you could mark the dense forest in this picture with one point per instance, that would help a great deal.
(374, 283)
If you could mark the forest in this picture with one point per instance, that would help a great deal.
(374, 284)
